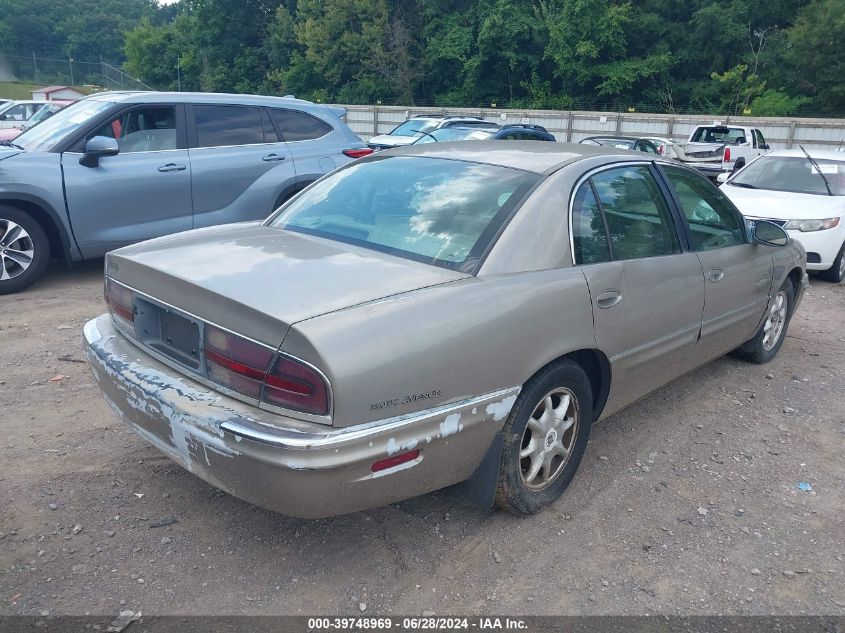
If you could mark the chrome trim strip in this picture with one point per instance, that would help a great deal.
(298, 415)
(286, 438)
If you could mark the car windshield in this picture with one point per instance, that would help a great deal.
(454, 134)
(792, 173)
(57, 127)
(44, 113)
(719, 134)
(441, 212)
(413, 127)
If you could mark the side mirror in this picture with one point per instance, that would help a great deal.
(3, 117)
(722, 178)
(765, 146)
(739, 164)
(769, 233)
(98, 147)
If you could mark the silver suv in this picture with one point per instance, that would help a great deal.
(121, 167)
(411, 130)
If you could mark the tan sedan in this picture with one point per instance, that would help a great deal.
(434, 314)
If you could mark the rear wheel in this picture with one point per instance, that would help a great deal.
(769, 338)
(24, 250)
(836, 273)
(545, 437)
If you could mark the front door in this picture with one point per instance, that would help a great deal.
(143, 192)
(737, 273)
(647, 294)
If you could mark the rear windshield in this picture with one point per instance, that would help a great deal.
(719, 135)
(793, 173)
(441, 212)
(415, 126)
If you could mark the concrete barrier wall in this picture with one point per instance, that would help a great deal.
(781, 133)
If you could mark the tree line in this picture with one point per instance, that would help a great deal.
(767, 58)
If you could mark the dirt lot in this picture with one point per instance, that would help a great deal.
(686, 503)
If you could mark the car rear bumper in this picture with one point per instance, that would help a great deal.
(300, 470)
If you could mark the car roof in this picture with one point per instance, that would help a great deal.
(824, 154)
(194, 97)
(541, 157)
(614, 138)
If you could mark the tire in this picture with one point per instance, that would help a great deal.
(836, 273)
(21, 239)
(516, 490)
(762, 348)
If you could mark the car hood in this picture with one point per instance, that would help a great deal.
(258, 280)
(784, 205)
(392, 141)
(8, 152)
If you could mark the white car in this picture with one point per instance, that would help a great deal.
(16, 113)
(665, 146)
(806, 196)
(408, 132)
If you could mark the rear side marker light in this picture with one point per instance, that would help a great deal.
(395, 460)
(359, 152)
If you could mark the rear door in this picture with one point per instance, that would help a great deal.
(239, 165)
(314, 144)
(737, 272)
(143, 192)
(647, 292)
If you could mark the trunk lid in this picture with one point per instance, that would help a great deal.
(258, 281)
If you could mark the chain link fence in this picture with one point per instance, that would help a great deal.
(45, 71)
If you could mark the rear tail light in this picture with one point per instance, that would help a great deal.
(358, 152)
(248, 368)
(727, 154)
(119, 300)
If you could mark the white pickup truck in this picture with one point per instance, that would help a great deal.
(716, 149)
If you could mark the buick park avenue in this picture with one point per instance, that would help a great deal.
(434, 314)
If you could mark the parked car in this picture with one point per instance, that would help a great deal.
(665, 146)
(413, 128)
(806, 196)
(718, 149)
(44, 112)
(514, 132)
(442, 312)
(121, 167)
(15, 113)
(622, 142)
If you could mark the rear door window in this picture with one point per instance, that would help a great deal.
(294, 125)
(638, 218)
(226, 125)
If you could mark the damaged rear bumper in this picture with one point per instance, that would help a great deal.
(297, 468)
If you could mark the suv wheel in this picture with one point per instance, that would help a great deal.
(24, 250)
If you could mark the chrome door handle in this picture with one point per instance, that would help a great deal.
(172, 167)
(716, 275)
(608, 299)
(271, 158)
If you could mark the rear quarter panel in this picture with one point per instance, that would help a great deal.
(445, 343)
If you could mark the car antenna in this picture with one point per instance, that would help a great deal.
(427, 134)
(818, 169)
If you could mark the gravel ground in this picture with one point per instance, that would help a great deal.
(686, 503)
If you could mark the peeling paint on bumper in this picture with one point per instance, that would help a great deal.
(293, 467)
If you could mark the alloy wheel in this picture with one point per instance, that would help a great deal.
(16, 250)
(775, 322)
(548, 438)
